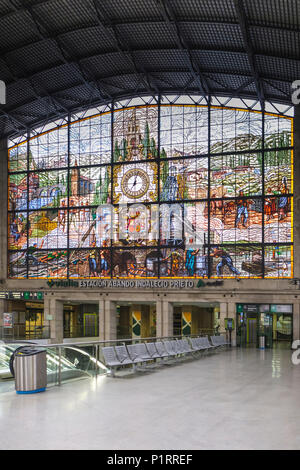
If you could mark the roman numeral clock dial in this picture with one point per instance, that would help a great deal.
(135, 183)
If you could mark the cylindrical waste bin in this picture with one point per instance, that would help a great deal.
(30, 370)
(261, 342)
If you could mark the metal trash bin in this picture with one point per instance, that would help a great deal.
(30, 370)
(261, 342)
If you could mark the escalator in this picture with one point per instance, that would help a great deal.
(75, 362)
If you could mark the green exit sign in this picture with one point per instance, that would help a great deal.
(27, 295)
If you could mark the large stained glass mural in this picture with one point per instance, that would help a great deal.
(155, 190)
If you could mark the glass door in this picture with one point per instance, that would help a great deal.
(266, 329)
(282, 327)
(34, 324)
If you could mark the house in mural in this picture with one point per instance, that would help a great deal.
(80, 185)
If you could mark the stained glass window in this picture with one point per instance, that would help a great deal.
(147, 189)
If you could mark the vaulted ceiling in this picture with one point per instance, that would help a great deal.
(61, 56)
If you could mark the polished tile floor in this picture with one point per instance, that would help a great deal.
(237, 399)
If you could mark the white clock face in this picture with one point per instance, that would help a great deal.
(135, 183)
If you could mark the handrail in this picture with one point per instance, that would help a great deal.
(86, 343)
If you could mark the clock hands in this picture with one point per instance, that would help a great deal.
(134, 183)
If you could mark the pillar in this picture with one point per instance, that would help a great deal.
(110, 320)
(296, 321)
(159, 319)
(54, 310)
(167, 326)
(231, 313)
(223, 315)
(3, 209)
(3, 308)
(296, 217)
(101, 325)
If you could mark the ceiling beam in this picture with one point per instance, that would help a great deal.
(42, 31)
(105, 23)
(239, 8)
(170, 19)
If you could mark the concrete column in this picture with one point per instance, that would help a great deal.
(3, 209)
(110, 320)
(101, 326)
(231, 313)
(3, 308)
(223, 315)
(296, 217)
(53, 309)
(168, 310)
(296, 321)
(159, 319)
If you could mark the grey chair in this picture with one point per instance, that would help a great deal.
(175, 346)
(138, 352)
(218, 341)
(205, 343)
(180, 354)
(187, 346)
(195, 345)
(182, 349)
(161, 350)
(111, 360)
(152, 351)
(224, 341)
(123, 356)
(200, 344)
(170, 349)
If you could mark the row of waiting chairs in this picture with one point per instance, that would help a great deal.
(133, 354)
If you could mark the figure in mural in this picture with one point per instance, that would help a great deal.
(283, 203)
(242, 210)
(92, 261)
(16, 229)
(190, 260)
(226, 260)
(103, 263)
(175, 259)
(270, 205)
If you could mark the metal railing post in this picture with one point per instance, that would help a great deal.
(59, 365)
(97, 359)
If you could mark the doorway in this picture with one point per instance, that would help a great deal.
(273, 321)
(80, 320)
(136, 320)
(195, 319)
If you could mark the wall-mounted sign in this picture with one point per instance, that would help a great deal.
(139, 283)
(7, 320)
(26, 295)
(275, 308)
(134, 283)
